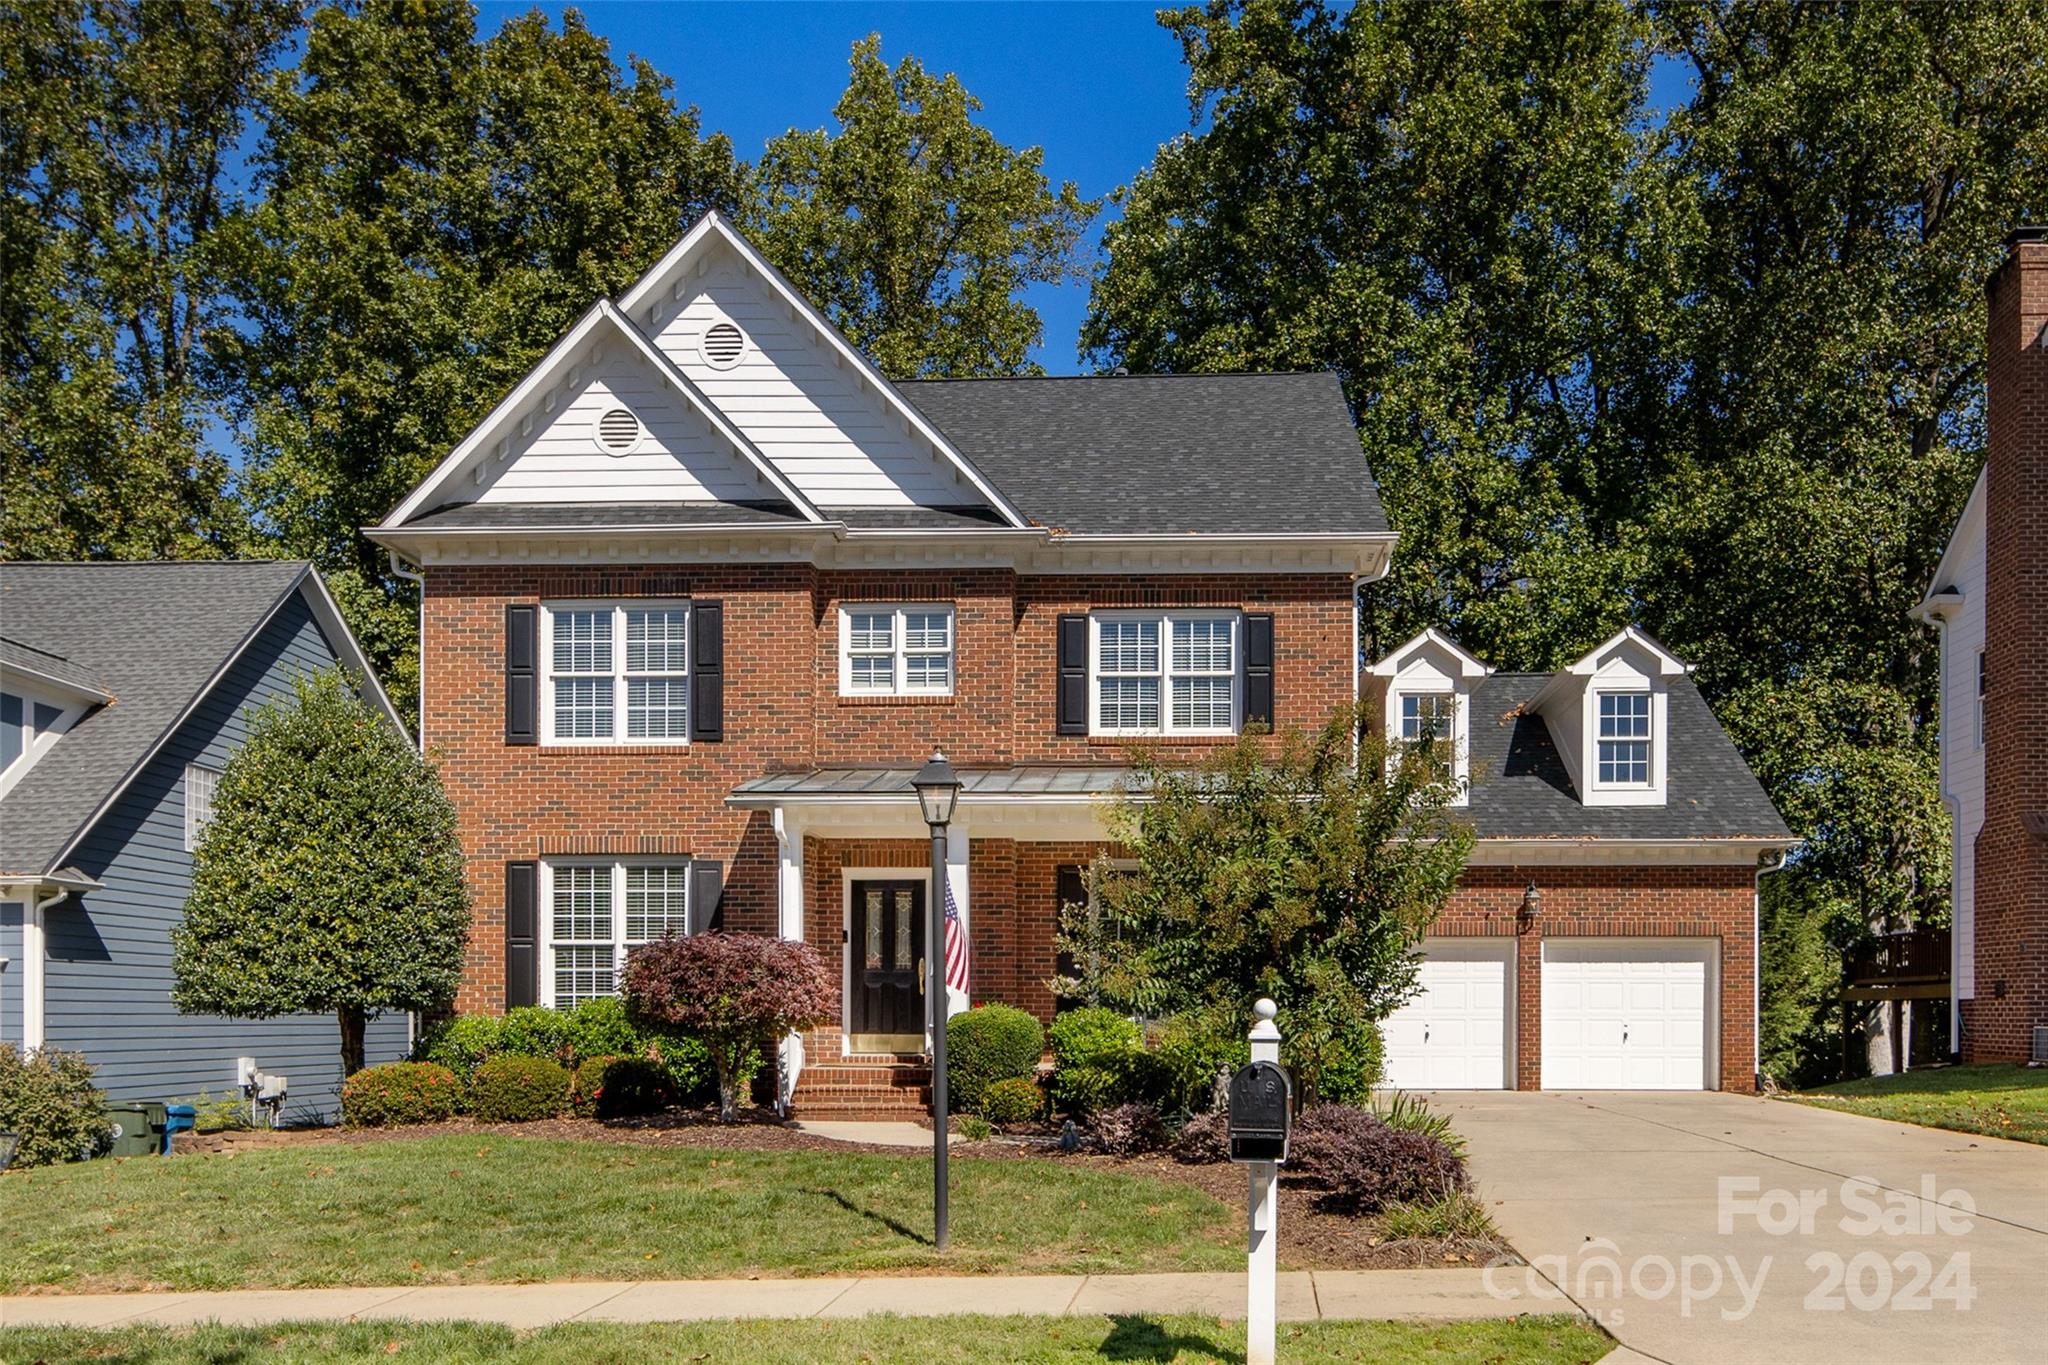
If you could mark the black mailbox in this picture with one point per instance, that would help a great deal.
(1261, 1112)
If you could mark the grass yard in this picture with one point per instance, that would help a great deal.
(1526, 1341)
(2001, 1101)
(480, 1209)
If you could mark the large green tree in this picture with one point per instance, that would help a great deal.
(329, 878)
(913, 228)
(119, 123)
(1715, 369)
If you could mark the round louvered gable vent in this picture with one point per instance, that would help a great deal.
(723, 345)
(618, 432)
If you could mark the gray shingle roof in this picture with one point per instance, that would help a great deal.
(28, 659)
(152, 635)
(1248, 454)
(1520, 789)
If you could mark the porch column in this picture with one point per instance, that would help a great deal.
(956, 879)
(789, 924)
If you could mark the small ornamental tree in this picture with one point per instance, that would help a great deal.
(1298, 867)
(329, 878)
(731, 992)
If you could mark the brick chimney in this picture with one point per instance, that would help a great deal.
(2012, 847)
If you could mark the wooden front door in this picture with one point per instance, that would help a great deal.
(888, 951)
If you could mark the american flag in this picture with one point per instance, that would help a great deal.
(956, 945)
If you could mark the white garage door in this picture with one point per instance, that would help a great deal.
(1454, 1034)
(1628, 1014)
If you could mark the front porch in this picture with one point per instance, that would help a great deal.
(854, 870)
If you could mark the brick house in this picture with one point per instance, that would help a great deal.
(705, 589)
(1989, 599)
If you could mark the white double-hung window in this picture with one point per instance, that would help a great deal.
(617, 674)
(1164, 672)
(895, 650)
(1623, 757)
(598, 909)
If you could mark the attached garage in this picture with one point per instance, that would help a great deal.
(1458, 1031)
(1630, 1014)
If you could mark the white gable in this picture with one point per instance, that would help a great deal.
(1629, 661)
(666, 452)
(823, 423)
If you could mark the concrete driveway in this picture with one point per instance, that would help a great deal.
(1722, 1228)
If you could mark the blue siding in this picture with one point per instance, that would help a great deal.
(109, 983)
(11, 914)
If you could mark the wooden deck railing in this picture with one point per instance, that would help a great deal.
(1915, 956)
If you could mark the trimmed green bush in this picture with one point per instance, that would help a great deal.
(1191, 1052)
(461, 1042)
(1094, 1036)
(599, 1028)
(1082, 1090)
(1016, 1099)
(400, 1092)
(47, 1096)
(987, 1044)
(1352, 1066)
(510, 1088)
(537, 1031)
(620, 1087)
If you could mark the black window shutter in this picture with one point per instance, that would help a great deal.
(1258, 669)
(707, 672)
(522, 918)
(1071, 881)
(707, 885)
(1073, 675)
(522, 674)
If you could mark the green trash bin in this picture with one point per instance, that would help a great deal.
(138, 1128)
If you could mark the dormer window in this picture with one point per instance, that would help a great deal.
(1429, 684)
(1427, 718)
(1624, 756)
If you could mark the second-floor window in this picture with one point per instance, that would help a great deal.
(1164, 673)
(616, 673)
(1426, 720)
(1624, 739)
(895, 650)
(200, 782)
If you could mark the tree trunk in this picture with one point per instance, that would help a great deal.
(353, 1024)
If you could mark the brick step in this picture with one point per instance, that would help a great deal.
(864, 1094)
(883, 1076)
(859, 1114)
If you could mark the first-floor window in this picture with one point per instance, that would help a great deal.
(1165, 673)
(597, 911)
(1624, 754)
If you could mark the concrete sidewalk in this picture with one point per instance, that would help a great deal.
(1305, 1296)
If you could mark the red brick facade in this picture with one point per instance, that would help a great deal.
(782, 711)
(2011, 893)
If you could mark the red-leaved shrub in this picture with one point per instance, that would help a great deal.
(1362, 1165)
(1129, 1129)
(1203, 1139)
(731, 992)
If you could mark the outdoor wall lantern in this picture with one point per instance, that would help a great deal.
(938, 789)
(1532, 901)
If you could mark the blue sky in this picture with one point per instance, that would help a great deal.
(1098, 86)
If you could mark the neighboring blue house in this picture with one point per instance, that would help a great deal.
(123, 690)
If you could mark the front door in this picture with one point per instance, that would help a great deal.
(888, 946)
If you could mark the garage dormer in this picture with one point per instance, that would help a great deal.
(1426, 695)
(1609, 715)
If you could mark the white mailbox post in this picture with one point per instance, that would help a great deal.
(1259, 1095)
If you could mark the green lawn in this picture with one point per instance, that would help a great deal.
(443, 1210)
(1525, 1341)
(2003, 1101)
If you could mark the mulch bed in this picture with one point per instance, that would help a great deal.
(1311, 1237)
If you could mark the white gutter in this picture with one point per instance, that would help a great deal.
(418, 581)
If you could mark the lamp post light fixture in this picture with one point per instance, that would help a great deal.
(938, 791)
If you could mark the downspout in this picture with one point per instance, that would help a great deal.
(34, 970)
(1358, 581)
(419, 581)
(1756, 969)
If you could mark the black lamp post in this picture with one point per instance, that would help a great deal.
(938, 789)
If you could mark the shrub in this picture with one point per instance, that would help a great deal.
(47, 1096)
(1453, 1216)
(599, 1028)
(620, 1087)
(1082, 1090)
(399, 1092)
(1204, 1139)
(731, 992)
(1352, 1064)
(461, 1042)
(1094, 1036)
(972, 1128)
(1411, 1114)
(1363, 1165)
(1016, 1099)
(514, 1089)
(1192, 1052)
(537, 1031)
(989, 1044)
(1129, 1129)
(692, 1075)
